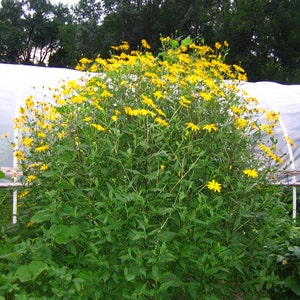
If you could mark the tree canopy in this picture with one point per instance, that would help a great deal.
(263, 35)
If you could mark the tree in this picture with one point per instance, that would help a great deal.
(11, 28)
(81, 36)
(30, 30)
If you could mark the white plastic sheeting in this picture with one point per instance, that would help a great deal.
(17, 82)
(284, 99)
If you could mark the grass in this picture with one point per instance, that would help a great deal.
(5, 206)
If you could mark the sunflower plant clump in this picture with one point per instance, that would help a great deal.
(146, 179)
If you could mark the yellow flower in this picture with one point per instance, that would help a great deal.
(183, 48)
(161, 122)
(128, 110)
(239, 69)
(61, 135)
(251, 173)
(143, 112)
(98, 106)
(114, 118)
(22, 110)
(206, 96)
(215, 186)
(115, 47)
(160, 112)
(192, 126)
(5, 135)
(158, 94)
(279, 160)
(29, 224)
(236, 110)
(266, 128)
(184, 102)
(241, 123)
(289, 141)
(272, 115)
(29, 102)
(106, 94)
(87, 119)
(41, 134)
(148, 101)
(210, 127)
(30, 178)
(125, 46)
(226, 44)
(41, 148)
(162, 167)
(85, 60)
(27, 141)
(218, 45)
(94, 68)
(23, 194)
(145, 44)
(61, 102)
(98, 127)
(43, 167)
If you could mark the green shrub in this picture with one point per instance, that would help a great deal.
(145, 182)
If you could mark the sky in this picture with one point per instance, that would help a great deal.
(68, 2)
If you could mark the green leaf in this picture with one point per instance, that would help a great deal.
(155, 272)
(128, 276)
(186, 42)
(165, 236)
(41, 216)
(77, 283)
(2, 175)
(295, 250)
(174, 44)
(169, 280)
(31, 271)
(67, 233)
(295, 287)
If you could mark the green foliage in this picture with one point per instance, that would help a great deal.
(287, 268)
(5, 204)
(263, 35)
(144, 184)
(29, 30)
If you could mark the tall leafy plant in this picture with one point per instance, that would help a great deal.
(147, 179)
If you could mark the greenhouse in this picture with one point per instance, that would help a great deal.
(18, 82)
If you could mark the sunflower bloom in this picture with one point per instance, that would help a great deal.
(161, 122)
(23, 194)
(218, 45)
(30, 178)
(106, 94)
(251, 173)
(192, 126)
(87, 119)
(43, 167)
(289, 141)
(145, 44)
(98, 127)
(184, 102)
(148, 101)
(215, 186)
(210, 127)
(41, 148)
